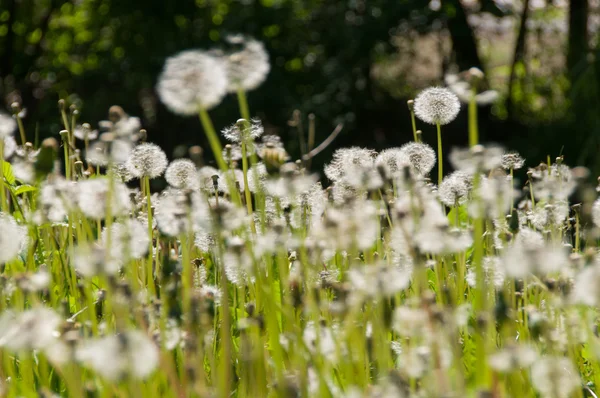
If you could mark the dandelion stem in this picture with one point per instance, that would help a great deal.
(473, 128)
(440, 159)
(3, 203)
(213, 139)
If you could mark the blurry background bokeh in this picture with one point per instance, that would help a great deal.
(354, 62)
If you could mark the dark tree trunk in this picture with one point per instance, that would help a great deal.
(464, 42)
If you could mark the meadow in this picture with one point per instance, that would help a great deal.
(254, 277)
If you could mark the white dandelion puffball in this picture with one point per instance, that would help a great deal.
(146, 160)
(182, 174)
(436, 105)
(192, 80)
(7, 126)
(420, 157)
(247, 68)
(12, 237)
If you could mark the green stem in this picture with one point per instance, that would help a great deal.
(246, 185)
(149, 273)
(473, 129)
(414, 125)
(213, 139)
(3, 203)
(243, 104)
(440, 159)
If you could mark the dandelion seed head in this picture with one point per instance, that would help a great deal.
(192, 80)
(182, 174)
(10, 146)
(114, 357)
(129, 240)
(436, 105)
(237, 133)
(347, 161)
(84, 132)
(554, 377)
(477, 159)
(8, 125)
(92, 198)
(512, 160)
(34, 329)
(420, 157)
(89, 260)
(455, 188)
(13, 237)
(513, 357)
(146, 160)
(247, 68)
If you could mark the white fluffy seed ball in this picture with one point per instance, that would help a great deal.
(182, 174)
(146, 160)
(436, 105)
(192, 80)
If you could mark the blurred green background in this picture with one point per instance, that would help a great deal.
(354, 62)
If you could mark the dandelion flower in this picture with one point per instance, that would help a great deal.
(29, 330)
(247, 68)
(454, 189)
(182, 174)
(436, 105)
(147, 160)
(129, 240)
(192, 80)
(12, 237)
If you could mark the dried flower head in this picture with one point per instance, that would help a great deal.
(182, 174)
(192, 80)
(436, 105)
(146, 160)
(248, 67)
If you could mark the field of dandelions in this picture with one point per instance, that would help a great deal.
(254, 279)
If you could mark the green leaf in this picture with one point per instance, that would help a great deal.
(463, 216)
(24, 188)
(8, 173)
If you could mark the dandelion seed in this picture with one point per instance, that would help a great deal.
(8, 125)
(13, 237)
(192, 80)
(147, 160)
(247, 68)
(436, 105)
(182, 174)
(493, 273)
